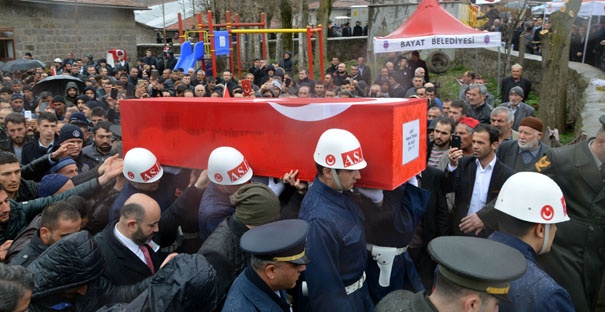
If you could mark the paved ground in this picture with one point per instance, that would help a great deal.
(594, 101)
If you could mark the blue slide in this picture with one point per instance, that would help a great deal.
(198, 51)
(189, 57)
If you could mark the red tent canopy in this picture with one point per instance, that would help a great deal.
(432, 27)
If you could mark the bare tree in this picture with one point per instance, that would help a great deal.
(323, 15)
(285, 15)
(555, 60)
(303, 21)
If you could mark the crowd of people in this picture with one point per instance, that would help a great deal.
(85, 226)
(587, 43)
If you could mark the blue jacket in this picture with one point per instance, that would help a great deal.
(535, 290)
(165, 195)
(250, 293)
(214, 208)
(336, 246)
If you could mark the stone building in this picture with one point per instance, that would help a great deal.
(54, 28)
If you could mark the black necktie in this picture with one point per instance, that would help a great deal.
(603, 171)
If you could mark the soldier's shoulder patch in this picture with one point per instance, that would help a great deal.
(543, 163)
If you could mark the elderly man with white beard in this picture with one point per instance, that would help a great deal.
(522, 154)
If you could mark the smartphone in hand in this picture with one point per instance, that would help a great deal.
(456, 141)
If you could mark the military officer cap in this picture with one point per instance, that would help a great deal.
(478, 264)
(282, 241)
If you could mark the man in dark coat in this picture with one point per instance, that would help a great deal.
(435, 223)
(416, 62)
(45, 141)
(515, 80)
(68, 277)
(358, 30)
(278, 258)
(576, 257)
(522, 154)
(255, 205)
(57, 221)
(127, 244)
(14, 216)
(391, 218)
(179, 286)
(461, 175)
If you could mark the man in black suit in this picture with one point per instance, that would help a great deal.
(126, 243)
(435, 223)
(476, 180)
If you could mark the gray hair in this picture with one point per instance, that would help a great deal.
(482, 88)
(15, 281)
(509, 113)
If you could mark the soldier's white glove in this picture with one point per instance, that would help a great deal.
(278, 187)
(413, 181)
(375, 195)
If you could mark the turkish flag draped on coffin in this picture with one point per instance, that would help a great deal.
(278, 135)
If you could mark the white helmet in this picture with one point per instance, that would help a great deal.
(227, 166)
(532, 197)
(141, 165)
(339, 149)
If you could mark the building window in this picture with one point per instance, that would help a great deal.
(7, 44)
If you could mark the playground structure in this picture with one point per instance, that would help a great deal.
(213, 42)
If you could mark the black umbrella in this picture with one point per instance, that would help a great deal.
(56, 84)
(21, 64)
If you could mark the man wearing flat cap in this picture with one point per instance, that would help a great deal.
(576, 260)
(523, 153)
(278, 258)
(519, 108)
(474, 274)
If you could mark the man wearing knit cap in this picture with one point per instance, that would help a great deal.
(17, 103)
(475, 179)
(66, 166)
(73, 134)
(58, 104)
(519, 108)
(255, 205)
(523, 153)
(54, 183)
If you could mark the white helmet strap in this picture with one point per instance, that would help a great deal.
(546, 239)
(336, 179)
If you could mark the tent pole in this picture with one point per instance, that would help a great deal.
(586, 39)
(476, 60)
(376, 70)
(498, 77)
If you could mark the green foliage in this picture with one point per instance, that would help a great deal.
(448, 86)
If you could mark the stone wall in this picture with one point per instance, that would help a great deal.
(485, 63)
(50, 31)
